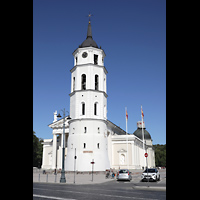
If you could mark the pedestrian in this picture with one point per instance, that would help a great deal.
(107, 174)
(113, 175)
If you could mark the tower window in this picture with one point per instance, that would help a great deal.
(104, 111)
(73, 84)
(84, 145)
(83, 108)
(98, 145)
(95, 109)
(95, 59)
(83, 82)
(85, 129)
(98, 129)
(96, 82)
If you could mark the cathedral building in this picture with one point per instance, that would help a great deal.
(89, 134)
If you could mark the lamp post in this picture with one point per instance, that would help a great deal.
(62, 178)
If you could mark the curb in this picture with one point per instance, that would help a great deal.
(149, 188)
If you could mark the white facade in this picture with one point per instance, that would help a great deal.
(89, 132)
(113, 143)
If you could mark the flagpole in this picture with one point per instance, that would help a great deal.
(127, 137)
(143, 134)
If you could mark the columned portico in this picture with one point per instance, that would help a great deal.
(57, 127)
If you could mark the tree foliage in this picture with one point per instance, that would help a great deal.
(37, 151)
(160, 155)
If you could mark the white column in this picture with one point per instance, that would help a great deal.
(54, 151)
(61, 157)
(44, 156)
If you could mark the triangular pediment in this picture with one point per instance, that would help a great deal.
(59, 124)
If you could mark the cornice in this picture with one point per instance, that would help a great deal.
(88, 64)
(86, 119)
(87, 48)
(91, 90)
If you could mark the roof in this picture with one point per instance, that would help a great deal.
(89, 42)
(138, 133)
(117, 129)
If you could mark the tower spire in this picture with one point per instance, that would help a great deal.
(89, 42)
(89, 30)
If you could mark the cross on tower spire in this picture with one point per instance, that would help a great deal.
(89, 16)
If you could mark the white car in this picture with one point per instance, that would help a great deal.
(124, 174)
(152, 174)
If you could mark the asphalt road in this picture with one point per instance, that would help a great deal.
(112, 190)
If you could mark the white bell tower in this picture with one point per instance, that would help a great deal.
(88, 109)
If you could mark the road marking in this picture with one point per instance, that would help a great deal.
(161, 179)
(50, 197)
(68, 191)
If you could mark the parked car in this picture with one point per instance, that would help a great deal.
(124, 174)
(153, 174)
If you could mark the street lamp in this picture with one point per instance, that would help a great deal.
(62, 178)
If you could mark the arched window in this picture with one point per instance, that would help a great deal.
(96, 82)
(122, 159)
(83, 82)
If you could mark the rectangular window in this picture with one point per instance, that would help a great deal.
(83, 82)
(83, 109)
(96, 82)
(73, 84)
(95, 109)
(98, 145)
(85, 129)
(98, 129)
(84, 145)
(95, 59)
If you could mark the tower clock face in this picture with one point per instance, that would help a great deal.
(84, 55)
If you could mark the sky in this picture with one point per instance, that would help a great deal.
(132, 34)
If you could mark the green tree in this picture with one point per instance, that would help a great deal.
(37, 151)
(160, 155)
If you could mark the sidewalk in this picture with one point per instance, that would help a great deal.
(38, 176)
(79, 178)
(97, 178)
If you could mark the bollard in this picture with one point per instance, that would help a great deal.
(55, 177)
(47, 178)
(39, 178)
